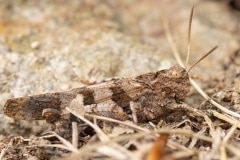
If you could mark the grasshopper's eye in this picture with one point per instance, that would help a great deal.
(176, 74)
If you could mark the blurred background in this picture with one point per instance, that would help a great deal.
(54, 45)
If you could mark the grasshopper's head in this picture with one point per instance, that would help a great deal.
(174, 83)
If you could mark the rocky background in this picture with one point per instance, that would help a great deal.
(55, 45)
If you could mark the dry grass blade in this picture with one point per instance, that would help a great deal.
(115, 152)
(75, 134)
(68, 145)
(223, 153)
(184, 132)
(133, 126)
(233, 150)
(209, 122)
(91, 147)
(3, 152)
(194, 140)
(181, 154)
(65, 147)
(230, 133)
(215, 148)
(225, 118)
(225, 140)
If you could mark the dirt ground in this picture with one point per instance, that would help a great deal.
(56, 45)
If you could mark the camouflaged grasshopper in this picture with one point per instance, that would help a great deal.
(146, 97)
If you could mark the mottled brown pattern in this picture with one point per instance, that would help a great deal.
(151, 94)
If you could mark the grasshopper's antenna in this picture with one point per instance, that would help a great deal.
(189, 44)
(209, 52)
(189, 36)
